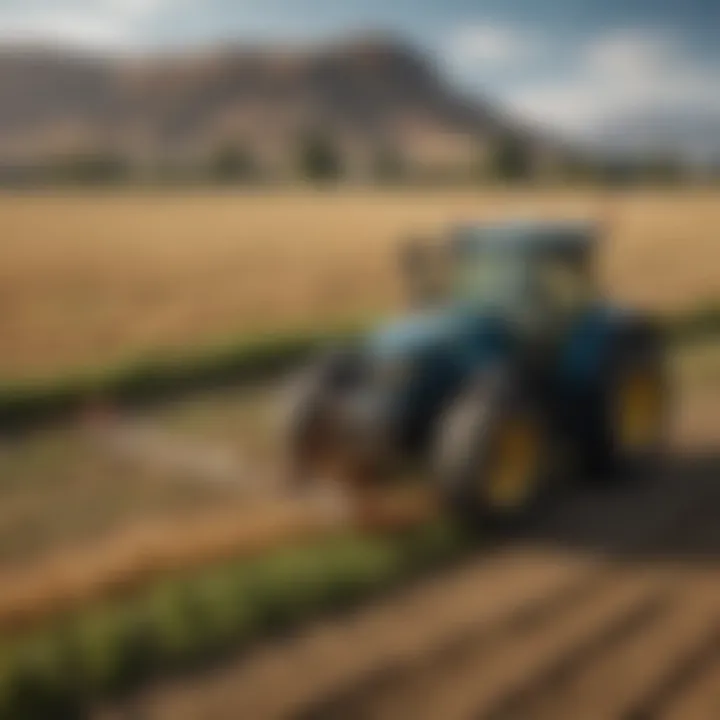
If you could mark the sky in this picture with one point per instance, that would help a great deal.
(577, 66)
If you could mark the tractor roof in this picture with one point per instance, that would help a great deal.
(527, 235)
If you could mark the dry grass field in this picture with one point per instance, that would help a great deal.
(87, 280)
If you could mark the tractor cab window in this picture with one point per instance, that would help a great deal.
(560, 283)
(506, 267)
(490, 279)
(487, 272)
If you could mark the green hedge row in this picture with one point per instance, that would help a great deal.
(28, 403)
(185, 623)
(702, 322)
(24, 404)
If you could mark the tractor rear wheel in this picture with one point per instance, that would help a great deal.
(628, 435)
(492, 453)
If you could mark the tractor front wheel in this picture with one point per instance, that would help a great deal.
(492, 452)
(316, 452)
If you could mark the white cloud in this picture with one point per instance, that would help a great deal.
(87, 23)
(492, 44)
(638, 53)
(72, 29)
(618, 75)
(137, 8)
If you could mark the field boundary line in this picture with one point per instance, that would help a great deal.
(27, 404)
(144, 554)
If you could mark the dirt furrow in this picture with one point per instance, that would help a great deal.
(481, 681)
(352, 701)
(350, 652)
(632, 674)
(700, 699)
(606, 607)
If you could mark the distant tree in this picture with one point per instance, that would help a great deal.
(22, 175)
(232, 163)
(663, 169)
(168, 172)
(480, 166)
(713, 171)
(619, 172)
(578, 168)
(96, 168)
(388, 165)
(510, 159)
(320, 160)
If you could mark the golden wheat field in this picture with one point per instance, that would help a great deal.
(92, 279)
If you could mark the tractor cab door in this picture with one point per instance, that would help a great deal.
(425, 269)
(558, 293)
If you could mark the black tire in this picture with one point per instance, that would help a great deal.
(304, 428)
(310, 433)
(466, 449)
(606, 454)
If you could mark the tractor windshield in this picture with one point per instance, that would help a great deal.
(490, 278)
(486, 271)
(499, 268)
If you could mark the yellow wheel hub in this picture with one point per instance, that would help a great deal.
(639, 411)
(514, 468)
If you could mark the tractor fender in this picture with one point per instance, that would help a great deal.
(592, 345)
(587, 367)
(600, 350)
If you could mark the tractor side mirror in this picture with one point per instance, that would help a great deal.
(423, 270)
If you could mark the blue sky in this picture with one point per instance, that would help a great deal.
(569, 64)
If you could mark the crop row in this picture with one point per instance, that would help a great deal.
(190, 621)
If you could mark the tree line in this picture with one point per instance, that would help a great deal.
(318, 158)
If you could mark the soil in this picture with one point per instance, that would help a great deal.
(606, 605)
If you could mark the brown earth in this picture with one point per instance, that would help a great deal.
(607, 605)
(608, 608)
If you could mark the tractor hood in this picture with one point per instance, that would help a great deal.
(439, 329)
(418, 363)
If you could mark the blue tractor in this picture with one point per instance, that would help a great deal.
(512, 372)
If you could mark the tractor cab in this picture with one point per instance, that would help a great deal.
(539, 276)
